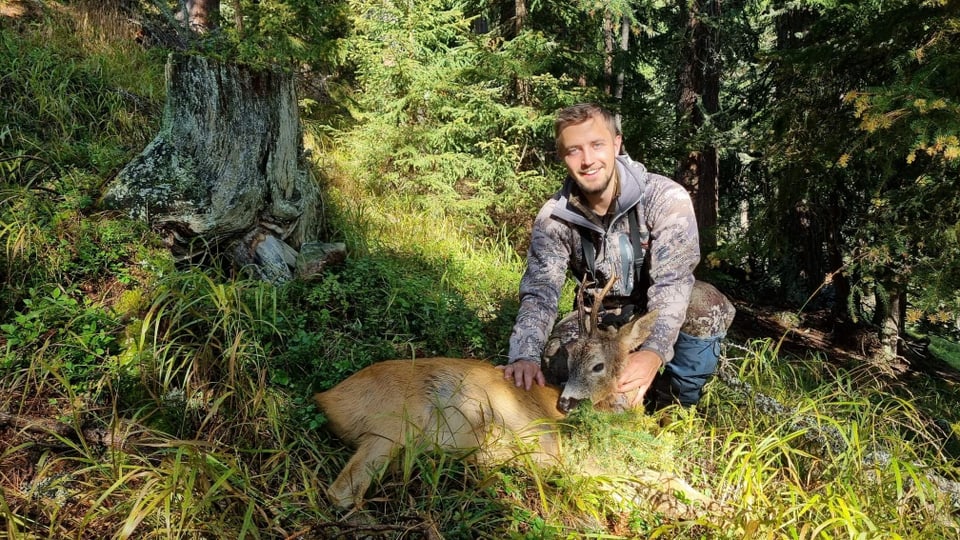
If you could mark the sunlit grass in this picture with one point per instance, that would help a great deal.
(226, 459)
(813, 469)
(481, 267)
(946, 351)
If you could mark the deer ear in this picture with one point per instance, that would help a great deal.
(637, 331)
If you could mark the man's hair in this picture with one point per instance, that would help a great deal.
(580, 113)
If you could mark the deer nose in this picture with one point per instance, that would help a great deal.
(567, 404)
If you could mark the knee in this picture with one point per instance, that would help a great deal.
(688, 390)
(709, 313)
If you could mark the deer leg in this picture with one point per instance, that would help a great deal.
(351, 484)
(668, 494)
(670, 483)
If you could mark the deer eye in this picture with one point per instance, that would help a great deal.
(598, 368)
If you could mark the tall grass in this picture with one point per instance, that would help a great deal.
(831, 460)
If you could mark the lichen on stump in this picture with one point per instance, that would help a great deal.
(227, 167)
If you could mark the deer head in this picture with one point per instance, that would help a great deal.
(596, 358)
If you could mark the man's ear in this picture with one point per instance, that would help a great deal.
(635, 332)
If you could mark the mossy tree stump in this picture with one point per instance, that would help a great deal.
(227, 170)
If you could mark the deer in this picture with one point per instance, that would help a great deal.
(467, 406)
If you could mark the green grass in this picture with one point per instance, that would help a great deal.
(946, 350)
(201, 383)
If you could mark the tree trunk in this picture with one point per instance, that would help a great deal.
(891, 325)
(699, 98)
(835, 262)
(608, 52)
(513, 17)
(624, 48)
(522, 86)
(799, 227)
(201, 15)
(615, 72)
(226, 168)
(520, 20)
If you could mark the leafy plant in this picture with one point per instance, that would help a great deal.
(371, 309)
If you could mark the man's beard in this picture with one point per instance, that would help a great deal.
(597, 190)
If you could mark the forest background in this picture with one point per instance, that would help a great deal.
(147, 394)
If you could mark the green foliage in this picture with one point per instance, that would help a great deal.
(51, 235)
(862, 185)
(77, 337)
(203, 382)
(290, 33)
(832, 452)
(373, 309)
(437, 116)
(63, 110)
(946, 351)
(77, 100)
(913, 118)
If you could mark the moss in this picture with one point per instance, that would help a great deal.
(945, 350)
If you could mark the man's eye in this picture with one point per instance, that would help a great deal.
(572, 152)
(598, 145)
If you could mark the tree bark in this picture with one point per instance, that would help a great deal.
(608, 52)
(699, 85)
(521, 86)
(201, 15)
(624, 48)
(892, 315)
(520, 16)
(226, 168)
(614, 46)
(513, 17)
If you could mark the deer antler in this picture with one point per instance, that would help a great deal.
(581, 310)
(597, 304)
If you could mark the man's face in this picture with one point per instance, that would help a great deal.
(589, 149)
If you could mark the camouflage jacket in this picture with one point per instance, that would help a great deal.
(667, 227)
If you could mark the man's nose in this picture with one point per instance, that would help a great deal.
(586, 159)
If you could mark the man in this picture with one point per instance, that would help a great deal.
(613, 219)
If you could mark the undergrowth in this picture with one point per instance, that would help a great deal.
(142, 400)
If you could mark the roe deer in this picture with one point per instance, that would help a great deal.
(467, 405)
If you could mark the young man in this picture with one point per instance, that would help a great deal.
(613, 219)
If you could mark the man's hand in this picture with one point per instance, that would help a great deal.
(638, 374)
(524, 373)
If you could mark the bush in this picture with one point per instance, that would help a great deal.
(371, 309)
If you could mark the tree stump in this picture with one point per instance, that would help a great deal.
(227, 168)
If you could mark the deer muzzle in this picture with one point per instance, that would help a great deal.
(567, 404)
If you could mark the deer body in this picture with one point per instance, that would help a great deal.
(468, 406)
(458, 405)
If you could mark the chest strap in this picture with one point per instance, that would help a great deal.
(641, 263)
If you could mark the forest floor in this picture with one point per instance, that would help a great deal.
(816, 333)
(38, 425)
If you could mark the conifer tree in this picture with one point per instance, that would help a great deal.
(861, 159)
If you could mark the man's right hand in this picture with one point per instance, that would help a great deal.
(524, 373)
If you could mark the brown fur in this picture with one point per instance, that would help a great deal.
(468, 406)
(459, 405)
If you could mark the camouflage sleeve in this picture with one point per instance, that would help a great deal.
(540, 286)
(675, 252)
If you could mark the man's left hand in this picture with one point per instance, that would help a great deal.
(638, 374)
